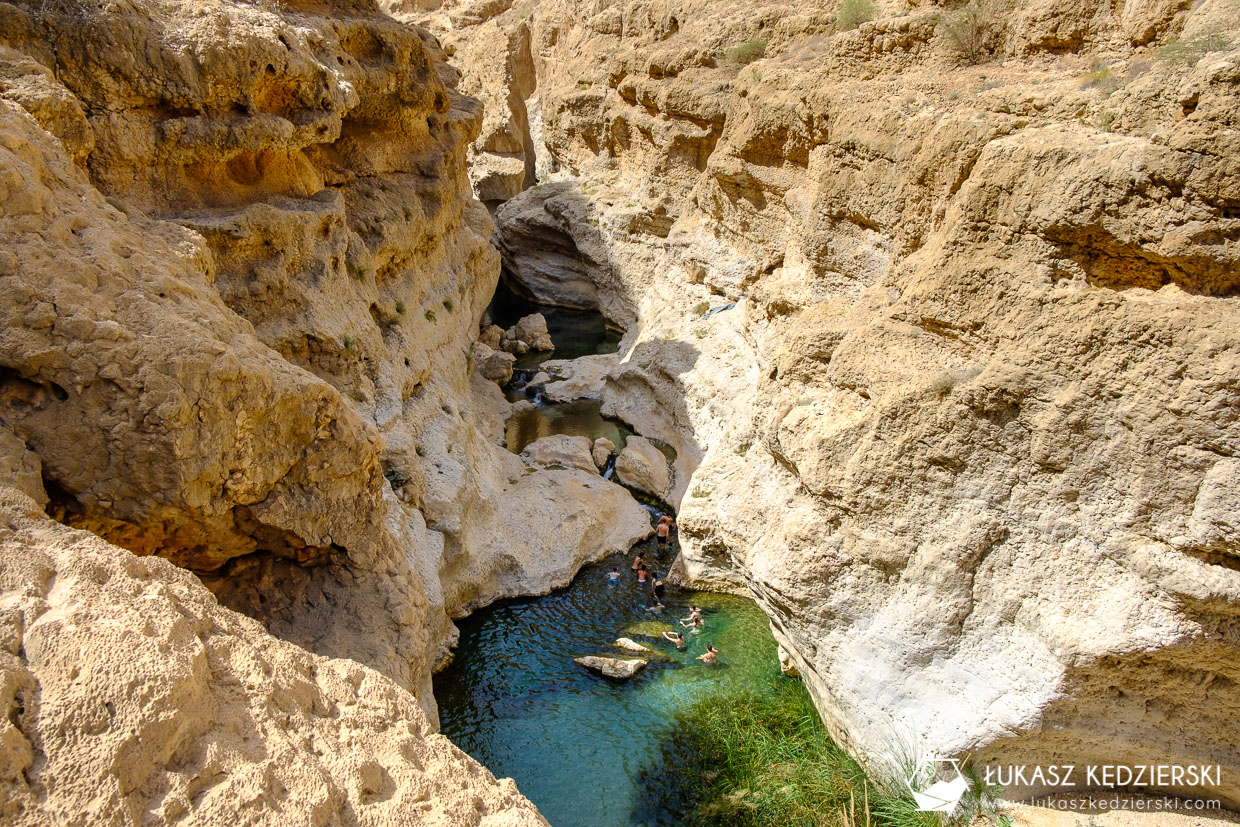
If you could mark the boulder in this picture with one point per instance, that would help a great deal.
(560, 450)
(493, 365)
(491, 335)
(540, 378)
(643, 467)
(618, 668)
(532, 330)
(601, 451)
(580, 378)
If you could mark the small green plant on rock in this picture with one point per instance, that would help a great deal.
(448, 305)
(400, 307)
(430, 315)
(395, 477)
(701, 307)
(347, 342)
(419, 450)
(853, 13)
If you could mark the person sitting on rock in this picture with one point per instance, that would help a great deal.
(709, 656)
(677, 638)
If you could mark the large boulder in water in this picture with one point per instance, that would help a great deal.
(560, 450)
(643, 467)
(619, 668)
(532, 330)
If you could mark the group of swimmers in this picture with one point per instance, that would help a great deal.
(693, 622)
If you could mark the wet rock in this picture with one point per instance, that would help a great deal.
(642, 466)
(540, 378)
(493, 365)
(619, 668)
(602, 451)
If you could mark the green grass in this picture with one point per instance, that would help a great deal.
(853, 13)
(767, 760)
(1188, 52)
(745, 53)
(701, 307)
(430, 315)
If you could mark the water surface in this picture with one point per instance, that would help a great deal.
(576, 743)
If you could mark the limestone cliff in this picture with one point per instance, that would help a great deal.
(130, 696)
(938, 310)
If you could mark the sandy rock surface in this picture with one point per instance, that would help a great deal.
(130, 694)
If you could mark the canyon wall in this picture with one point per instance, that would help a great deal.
(939, 311)
(241, 271)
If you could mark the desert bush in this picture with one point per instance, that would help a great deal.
(971, 30)
(853, 13)
(1188, 52)
(745, 53)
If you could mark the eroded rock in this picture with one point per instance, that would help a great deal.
(641, 465)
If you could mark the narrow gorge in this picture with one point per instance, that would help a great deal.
(328, 324)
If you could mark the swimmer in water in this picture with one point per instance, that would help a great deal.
(693, 622)
(642, 575)
(663, 531)
(710, 655)
(613, 576)
(677, 638)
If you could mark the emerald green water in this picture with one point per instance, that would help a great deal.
(577, 743)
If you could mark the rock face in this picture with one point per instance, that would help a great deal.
(127, 689)
(618, 668)
(964, 426)
(642, 466)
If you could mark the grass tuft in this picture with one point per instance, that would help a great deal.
(745, 53)
(853, 13)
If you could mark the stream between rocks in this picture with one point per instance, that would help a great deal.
(577, 744)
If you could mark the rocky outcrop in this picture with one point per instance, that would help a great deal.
(210, 716)
(942, 332)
